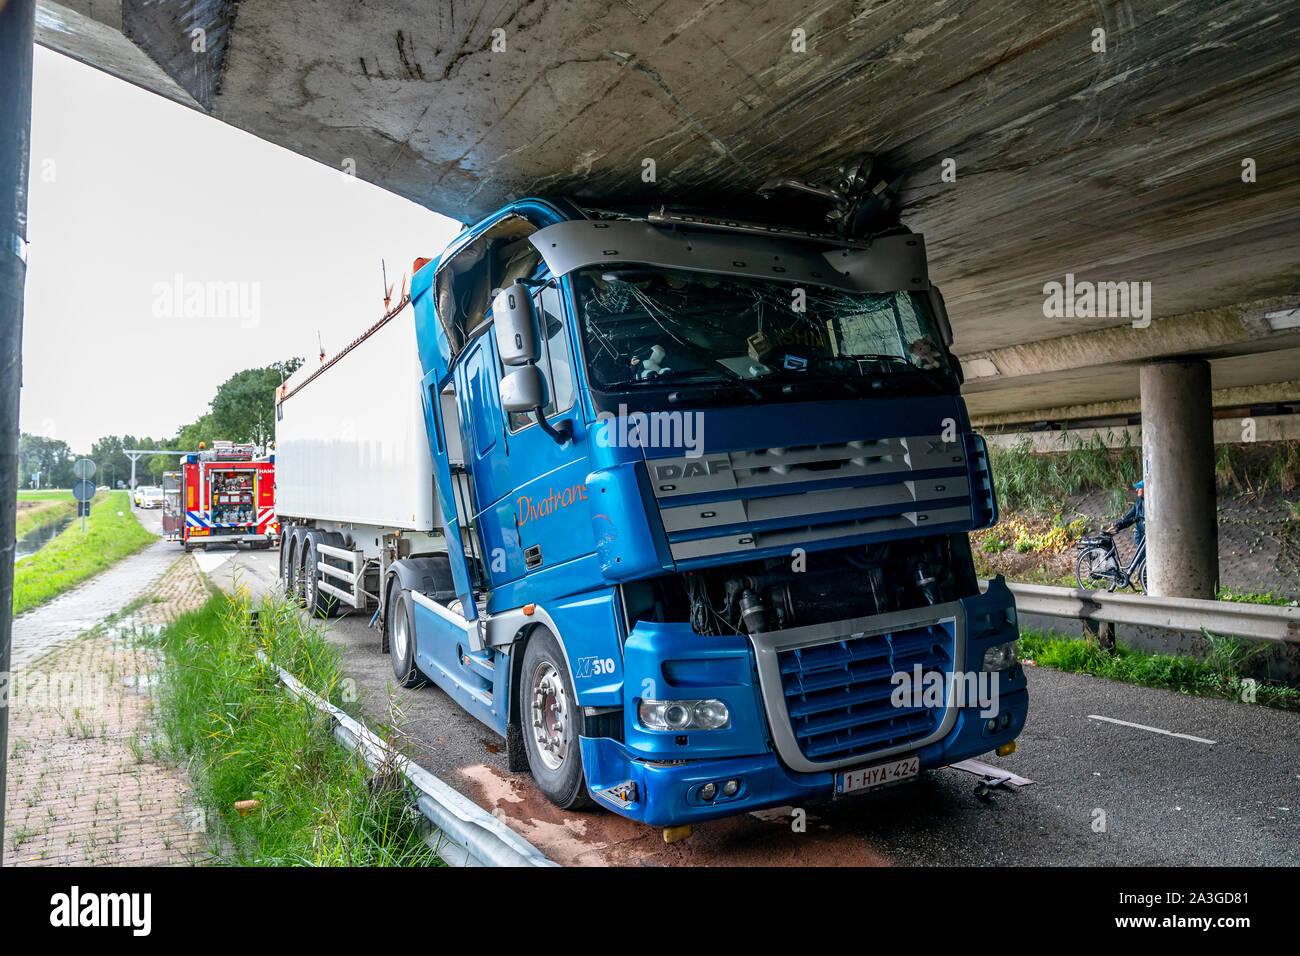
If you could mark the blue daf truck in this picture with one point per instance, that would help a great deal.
(700, 491)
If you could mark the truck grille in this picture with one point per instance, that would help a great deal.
(778, 498)
(838, 694)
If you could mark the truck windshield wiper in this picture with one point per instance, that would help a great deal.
(666, 381)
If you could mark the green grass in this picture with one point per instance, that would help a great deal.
(1274, 597)
(31, 494)
(229, 720)
(1220, 674)
(48, 509)
(1042, 481)
(74, 555)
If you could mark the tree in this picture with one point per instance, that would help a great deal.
(244, 407)
(49, 458)
(109, 455)
(191, 435)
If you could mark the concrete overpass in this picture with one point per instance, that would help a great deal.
(1154, 141)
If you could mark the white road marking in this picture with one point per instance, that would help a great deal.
(210, 562)
(1154, 730)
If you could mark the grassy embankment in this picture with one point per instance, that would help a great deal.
(1034, 488)
(242, 737)
(111, 534)
(36, 509)
(1219, 674)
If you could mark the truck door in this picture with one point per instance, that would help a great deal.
(531, 491)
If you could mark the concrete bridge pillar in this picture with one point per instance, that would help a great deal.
(1178, 459)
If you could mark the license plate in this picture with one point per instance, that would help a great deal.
(877, 775)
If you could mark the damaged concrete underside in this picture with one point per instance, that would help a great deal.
(1122, 166)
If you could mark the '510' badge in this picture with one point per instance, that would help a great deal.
(593, 667)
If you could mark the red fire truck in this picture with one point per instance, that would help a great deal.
(229, 497)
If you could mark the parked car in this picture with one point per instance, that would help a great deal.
(151, 497)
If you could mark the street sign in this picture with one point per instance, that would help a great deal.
(84, 468)
(83, 491)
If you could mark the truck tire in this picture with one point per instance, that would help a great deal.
(301, 557)
(399, 633)
(319, 604)
(551, 721)
(288, 561)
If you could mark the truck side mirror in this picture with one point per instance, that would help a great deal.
(523, 389)
(516, 326)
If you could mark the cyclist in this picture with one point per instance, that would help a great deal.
(1136, 515)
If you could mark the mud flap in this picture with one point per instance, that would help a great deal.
(516, 756)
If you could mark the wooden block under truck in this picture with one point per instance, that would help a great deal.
(229, 497)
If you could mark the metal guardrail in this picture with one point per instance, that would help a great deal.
(470, 836)
(1260, 622)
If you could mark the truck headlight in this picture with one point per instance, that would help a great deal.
(681, 715)
(1001, 657)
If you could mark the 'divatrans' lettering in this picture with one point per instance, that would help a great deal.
(530, 510)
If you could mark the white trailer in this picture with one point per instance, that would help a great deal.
(354, 473)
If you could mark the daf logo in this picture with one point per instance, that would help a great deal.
(693, 469)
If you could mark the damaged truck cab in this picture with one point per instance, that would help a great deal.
(705, 488)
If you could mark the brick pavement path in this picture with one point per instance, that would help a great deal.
(85, 786)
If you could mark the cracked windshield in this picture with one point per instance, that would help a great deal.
(654, 326)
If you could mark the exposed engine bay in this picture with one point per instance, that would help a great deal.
(812, 588)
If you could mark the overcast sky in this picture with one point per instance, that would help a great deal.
(129, 191)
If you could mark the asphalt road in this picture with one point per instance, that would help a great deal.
(1104, 794)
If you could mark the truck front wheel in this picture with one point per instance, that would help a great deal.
(552, 721)
(399, 627)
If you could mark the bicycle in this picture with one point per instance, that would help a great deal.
(1100, 561)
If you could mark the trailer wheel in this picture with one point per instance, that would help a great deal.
(551, 721)
(399, 631)
(319, 604)
(288, 563)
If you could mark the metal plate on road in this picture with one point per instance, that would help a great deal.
(84, 468)
(83, 490)
(877, 775)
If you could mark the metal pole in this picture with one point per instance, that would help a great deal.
(17, 26)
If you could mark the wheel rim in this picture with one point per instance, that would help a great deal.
(550, 713)
(400, 636)
(308, 580)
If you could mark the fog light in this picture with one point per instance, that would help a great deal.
(1001, 657)
(680, 715)
(708, 791)
(992, 725)
(731, 788)
(1006, 719)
